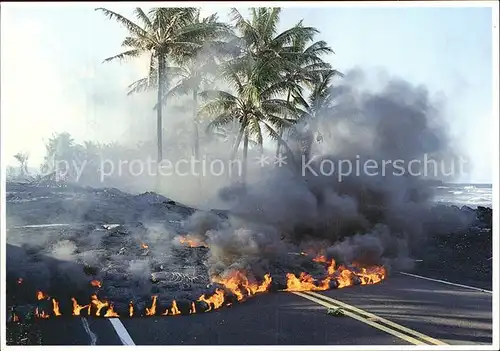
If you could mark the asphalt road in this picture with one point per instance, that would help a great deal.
(441, 312)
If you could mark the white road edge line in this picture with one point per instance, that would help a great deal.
(445, 282)
(123, 334)
(93, 337)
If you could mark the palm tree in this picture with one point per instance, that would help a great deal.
(256, 76)
(22, 158)
(251, 112)
(307, 67)
(320, 100)
(192, 77)
(196, 72)
(163, 34)
(60, 151)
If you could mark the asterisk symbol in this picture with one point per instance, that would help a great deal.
(280, 160)
(262, 160)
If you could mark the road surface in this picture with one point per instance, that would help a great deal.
(402, 310)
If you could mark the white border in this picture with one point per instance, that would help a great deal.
(3, 228)
(284, 4)
(491, 4)
(496, 176)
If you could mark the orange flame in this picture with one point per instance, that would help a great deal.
(343, 276)
(130, 309)
(331, 267)
(152, 311)
(111, 313)
(371, 275)
(216, 300)
(320, 258)
(192, 310)
(239, 285)
(55, 307)
(174, 308)
(305, 282)
(98, 304)
(15, 318)
(191, 241)
(77, 308)
(144, 246)
(323, 259)
(42, 315)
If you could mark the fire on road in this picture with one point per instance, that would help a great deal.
(402, 310)
(237, 287)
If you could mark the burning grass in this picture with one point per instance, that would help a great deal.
(233, 287)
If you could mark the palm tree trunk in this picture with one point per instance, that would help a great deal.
(238, 140)
(245, 159)
(196, 150)
(309, 143)
(159, 121)
(308, 147)
(236, 146)
(159, 124)
(278, 147)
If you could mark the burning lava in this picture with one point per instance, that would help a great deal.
(96, 283)
(191, 241)
(234, 287)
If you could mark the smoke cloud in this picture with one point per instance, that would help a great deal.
(364, 218)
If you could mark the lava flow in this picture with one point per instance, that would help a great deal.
(234, 286)
(96, 283)
(238, 284)
(40, 295)
(191, 241)
(340, 277)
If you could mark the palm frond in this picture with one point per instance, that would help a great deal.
(147, 83)
(178, 90)
(124, 55)
(274, 135)
(219, 121)
(141, 16)
(128, 24)
(219, 95)
(272, 21)
(288, 36)
(318, 48)
(278, 88)
(135, 43)
(139, 86)
(249, 34)
(218, 107)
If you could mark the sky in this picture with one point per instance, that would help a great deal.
(53, 78)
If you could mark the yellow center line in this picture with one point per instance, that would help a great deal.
(379, 319)
(363, 320)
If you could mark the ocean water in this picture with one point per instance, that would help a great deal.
(471, 195)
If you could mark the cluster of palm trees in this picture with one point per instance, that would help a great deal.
(272, 80)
